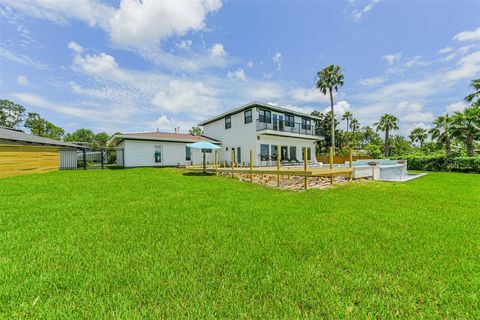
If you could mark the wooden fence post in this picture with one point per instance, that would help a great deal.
(351, 164)
(278, 165)
(305, 166)
(233, 163)
(251, 165)
(216, 163)
(331, 165)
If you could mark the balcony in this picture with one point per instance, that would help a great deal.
(289, 127)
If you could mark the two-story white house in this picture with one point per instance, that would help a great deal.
(262, 128)
(255, 126)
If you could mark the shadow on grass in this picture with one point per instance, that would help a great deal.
(198, 174)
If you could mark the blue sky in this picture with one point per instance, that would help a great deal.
(134, 66)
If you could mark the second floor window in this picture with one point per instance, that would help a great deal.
(264, 116)
(228, 122)
(248, 116)
(289, 120)
(306, 124)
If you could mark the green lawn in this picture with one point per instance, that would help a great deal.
(144, 243)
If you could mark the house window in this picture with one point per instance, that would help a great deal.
(248, 116)
(264, 152)
(306, 124)
(228, 122)
(309, 153)
(289, 120)
(293, 153)
(188, 153)
(264, 116)
(158, 154)
(274, 152)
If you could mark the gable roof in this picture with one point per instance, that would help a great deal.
(18, 135)
(160, 136)
(257, 104)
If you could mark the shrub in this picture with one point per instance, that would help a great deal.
(443, 163)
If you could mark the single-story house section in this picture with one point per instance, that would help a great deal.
(23, 153)
(160, 149)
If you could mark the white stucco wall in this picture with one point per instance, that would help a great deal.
(141, 153)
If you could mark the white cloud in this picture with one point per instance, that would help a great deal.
(466, 68)
(445, 50)
(456, 106)
(75, 46)
(37, 101)
(339, 108)
(184, 96)
(250, 64)
(473, 35)
(238, 74)
(218, 50)
(184, 44)
(277, 59)
(311, 95)
(392, 58)
(372, 81)
(358, 13)
(21, 59)
(22, 80)
(166, 124)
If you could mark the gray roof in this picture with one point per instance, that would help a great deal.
(18, 135)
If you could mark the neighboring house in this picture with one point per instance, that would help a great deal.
(255, 126)
(150, 149)
(23, 153)
(261, 128)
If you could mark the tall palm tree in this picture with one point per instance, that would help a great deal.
(442, 132)
(418, 134)
(328, 79)
(466, 126)
(354, 125)
(474, 98)
(347, 116)
(387, 123)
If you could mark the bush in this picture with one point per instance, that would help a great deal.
(443, 163)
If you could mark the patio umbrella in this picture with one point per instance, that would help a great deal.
(204, 145)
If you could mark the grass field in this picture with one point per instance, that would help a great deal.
(154, 243)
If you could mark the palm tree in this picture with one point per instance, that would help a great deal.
(442, 132)
(418, 134)
(195, 131)
(347, 116)
(354, 125)
(466, 126)
(474, 98)
(387, 123)
(329, 79)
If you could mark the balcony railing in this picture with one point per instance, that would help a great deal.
(288, 127)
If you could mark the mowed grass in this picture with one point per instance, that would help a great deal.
(155, 243)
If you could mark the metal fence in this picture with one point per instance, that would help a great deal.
(101, 158)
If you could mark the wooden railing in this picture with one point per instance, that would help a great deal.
(338, 159)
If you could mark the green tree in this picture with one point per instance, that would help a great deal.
(196, 131)
(11, 114)
(80, 135)
(399, 145)
(466, 127)
(323, 127)
(43, 128)
(328, 79)
(354, 125)
(386, 124)
(100, 140)
(474, 98)
(347, 116)
(442, 132)
(369, 136)
(418, 135)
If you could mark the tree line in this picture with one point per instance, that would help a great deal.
(454, 135)
(14, 115)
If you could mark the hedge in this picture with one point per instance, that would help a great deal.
(442, 163)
